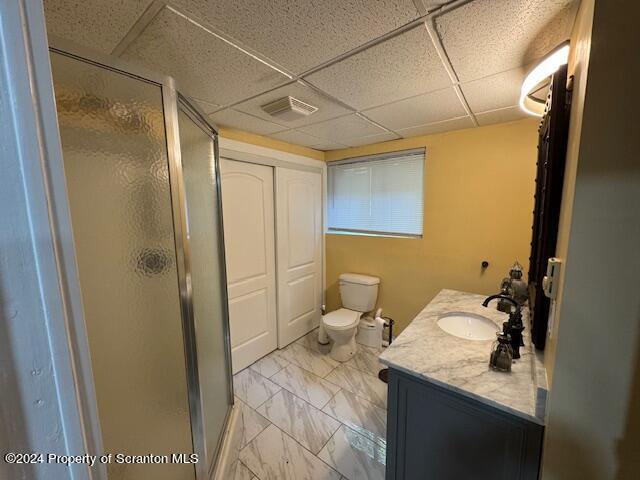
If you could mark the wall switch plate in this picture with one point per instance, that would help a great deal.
(551, 280)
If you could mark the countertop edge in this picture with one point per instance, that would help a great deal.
(466, 393)
(538, 378)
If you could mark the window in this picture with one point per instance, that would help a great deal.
(377, 195)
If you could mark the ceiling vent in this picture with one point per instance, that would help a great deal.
(289, 109)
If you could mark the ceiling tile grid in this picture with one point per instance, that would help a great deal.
(425, 6)
(301, 138)
(427, 108)
(484, 37)
(94, 24)
(501, 115)
(206, 107)
(207, 67)
(437, 127)
(495, 91)
(403, 66)
(375, 72)
(303, 34)
(241, 121)
(369, 139)
(342, 128)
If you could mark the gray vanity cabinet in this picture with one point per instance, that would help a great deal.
(436, 434)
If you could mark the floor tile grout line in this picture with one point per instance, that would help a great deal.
(252, 438)
(257, 413)
(271, 376)
(315, 375)
(332, 370)
(320, 409)
(267, 426)
(270, 397)
(245, 466)
(370, 400)
(311, 373)
(342, 422)
(342, 475)
(358, 370)
(363, 399)
(325, 444)
(260, 375)
(304, 400)
(310, 350)
(306, 449)
(314, 407)
(332, 397)
(367, 438)
(335, 384)
(276, 351)
(348, 364)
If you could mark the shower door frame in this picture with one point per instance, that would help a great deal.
(171, 101)
(174, 100)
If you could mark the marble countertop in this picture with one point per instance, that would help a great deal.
(424, 350)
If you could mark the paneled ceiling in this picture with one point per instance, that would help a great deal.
(376, 69)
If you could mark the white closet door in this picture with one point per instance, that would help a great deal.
(299, 234)
(247, 204)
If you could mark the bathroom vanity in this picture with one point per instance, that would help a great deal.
(449, 415)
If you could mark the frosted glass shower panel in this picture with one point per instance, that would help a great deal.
(209, 303)
(115, 157)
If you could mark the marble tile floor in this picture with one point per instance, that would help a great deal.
(306, 416)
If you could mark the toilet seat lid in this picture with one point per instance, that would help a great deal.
(342, 317)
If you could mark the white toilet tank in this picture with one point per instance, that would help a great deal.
(358, 292)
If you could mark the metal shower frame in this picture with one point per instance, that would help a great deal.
(172, 102)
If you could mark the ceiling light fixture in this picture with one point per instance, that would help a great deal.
(540, 73)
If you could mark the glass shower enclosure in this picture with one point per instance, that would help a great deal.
(142, 177)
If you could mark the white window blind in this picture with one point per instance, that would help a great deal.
(378, 194)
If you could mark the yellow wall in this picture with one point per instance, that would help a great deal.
(478, 205)
(578, 66)
(254, 139)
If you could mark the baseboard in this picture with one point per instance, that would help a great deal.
(230, 449)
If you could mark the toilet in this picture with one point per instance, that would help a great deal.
(358, 294)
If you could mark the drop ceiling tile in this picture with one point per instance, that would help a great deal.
(338, 129)
(369, 139)
(401, 67)
(437, 127)
(327, 108)
(206, 107)
(484, 37)
(431, 5)
(241, 121)
(428, 108)
(496, 91)
(305, 33)
(204, 66)
(97, 25)
(508, 114)
(300, 138)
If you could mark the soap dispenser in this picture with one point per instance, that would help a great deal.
(501, 353)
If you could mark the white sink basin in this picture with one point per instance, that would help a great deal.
(468, 326)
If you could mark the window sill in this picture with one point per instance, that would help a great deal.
(373, 234)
